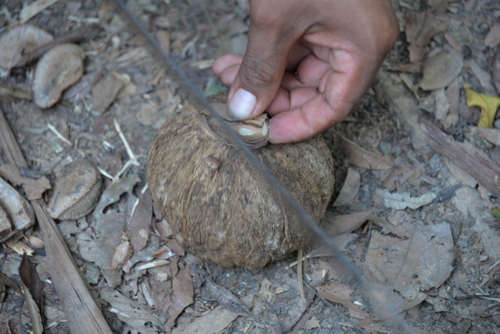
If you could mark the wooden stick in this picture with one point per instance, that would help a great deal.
(83, 314)
(469, 158)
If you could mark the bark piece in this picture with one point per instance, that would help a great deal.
(469, 158)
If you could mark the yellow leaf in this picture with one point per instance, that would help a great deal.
(488, 105)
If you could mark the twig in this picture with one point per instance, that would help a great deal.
(132, 159)
(58, 134)
(76, 35)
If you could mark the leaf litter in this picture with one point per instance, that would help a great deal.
(148, 281)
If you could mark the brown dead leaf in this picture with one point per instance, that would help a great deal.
(413, 265)
(129, 88)
(461, 175)
(140, 222)
(132, 313)
(360, 157)
(491, 135)
(493, 38)
(33, 294)
(109, 226)
(213, 322)
(147, 115)
(182, 295)
(340, 293)
(350, 188)
(453, 99)
(122, 253)
(82, 87)
(495, 70)
(399, 176)
(440, 69)
(340, 224)
(163, 38)
(420, 28)
(105, 92)
(34, 187)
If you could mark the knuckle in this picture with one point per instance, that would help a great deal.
(257, 73)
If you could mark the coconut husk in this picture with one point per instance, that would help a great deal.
(218, 206)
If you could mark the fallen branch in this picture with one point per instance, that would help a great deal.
(469, 158)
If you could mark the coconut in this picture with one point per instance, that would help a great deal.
(217, 205)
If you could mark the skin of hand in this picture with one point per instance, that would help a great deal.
(307, 63)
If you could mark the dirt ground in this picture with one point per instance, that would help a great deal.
(416, 194)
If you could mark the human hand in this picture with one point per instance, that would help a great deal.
(307, 62)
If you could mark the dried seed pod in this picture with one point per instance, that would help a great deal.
(76, 191)
(218, 206)
(57, 70)
(17, 208)
(18, 41)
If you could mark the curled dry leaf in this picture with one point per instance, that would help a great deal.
(5, 223)
(420, 28)
(350, 188)
(18, 209)
(361, 157)
(76, 191)
(441, 69)
(217, 205)
(18, 41)
(57, 70)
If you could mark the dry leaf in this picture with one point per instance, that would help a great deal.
(399, 176)
(441, 69)
(340, 224)
(182, 294)
(105, 92)
(491, 135)
(140, 222)
(420, 28)
(34, 8)
(495, 70)
(488, 104)
(341, 293)
(461, 175)
(441, 104)
(360, 157)
(132, 313)
(17, 207)
(82, 87)
(122, 253)
(493, 38)
(213, 322)
(350, 188)
(33, 294)
(34, 188)
(404, 200)
(422, 262)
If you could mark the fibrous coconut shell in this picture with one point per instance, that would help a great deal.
(223, 210)
(18, 41)
(58, 69)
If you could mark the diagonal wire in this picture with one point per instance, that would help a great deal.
(351, 274)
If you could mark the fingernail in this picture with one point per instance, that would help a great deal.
(242, 104)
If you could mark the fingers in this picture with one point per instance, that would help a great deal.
(271, 37)
(309, 119)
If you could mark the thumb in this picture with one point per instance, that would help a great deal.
(261, 70)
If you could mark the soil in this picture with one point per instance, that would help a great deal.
(387, 122)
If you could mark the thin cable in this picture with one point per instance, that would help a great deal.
(351, 274)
